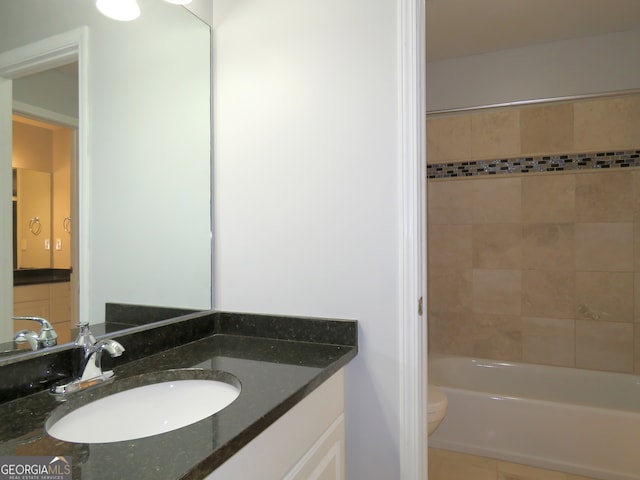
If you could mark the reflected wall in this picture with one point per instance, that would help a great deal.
(144, 164)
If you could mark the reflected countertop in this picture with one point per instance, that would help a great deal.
(34, 276)
(278, 361)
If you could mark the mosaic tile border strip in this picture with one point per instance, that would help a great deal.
(546, 163)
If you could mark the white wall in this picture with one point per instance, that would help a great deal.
(581, 66)
(211, 11)
(306, 193)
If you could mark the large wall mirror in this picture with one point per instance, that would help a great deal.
(130, 103)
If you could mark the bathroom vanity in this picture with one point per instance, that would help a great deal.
(46, 293)
(287, 422)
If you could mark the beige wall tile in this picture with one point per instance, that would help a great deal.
(636, 359)
(548, 341)
(449, 202)
(451, 333)
(448, 139)
(495, 134)
(605, 296)
(548, 198)
(497, 200)
(636, 246)
(450, 246)
(636, 298)
(547, 129)
(497, 246)
(604, 345)
(604, 247)
(607, 123)
(450, 290)
(496, 291)
(549, 246)
(548, 293)
(635, 174)
(497, 336)
(514, 471)
(604, 197)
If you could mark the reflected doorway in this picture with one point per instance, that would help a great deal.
(44, 139)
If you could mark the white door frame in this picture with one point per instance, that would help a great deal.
(36, 57)
(6, 216)
(413, 333)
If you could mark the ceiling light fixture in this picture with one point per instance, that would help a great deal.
(126, 10)
(123, 10)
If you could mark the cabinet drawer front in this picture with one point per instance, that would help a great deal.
(62, 289)
(30, 293)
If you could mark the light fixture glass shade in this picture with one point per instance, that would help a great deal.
(123, 10)
(178, 2)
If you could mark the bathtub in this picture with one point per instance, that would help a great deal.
(576, 421)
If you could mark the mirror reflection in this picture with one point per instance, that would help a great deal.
(42, 196)
(41, 161)
(129, 214)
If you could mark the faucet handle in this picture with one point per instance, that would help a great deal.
(93, 365)
(48, 337)
(85, 338)
(44, 323)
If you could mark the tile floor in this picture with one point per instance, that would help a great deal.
(448, 465)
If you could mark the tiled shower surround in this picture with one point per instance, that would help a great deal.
(537, 267)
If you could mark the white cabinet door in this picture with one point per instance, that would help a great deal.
(303, 437)
(325, 460)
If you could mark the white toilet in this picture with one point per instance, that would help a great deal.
(436, 407)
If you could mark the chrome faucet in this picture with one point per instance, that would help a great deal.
(47, 337)
(90, 362)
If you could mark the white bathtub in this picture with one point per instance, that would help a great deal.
(576, 421)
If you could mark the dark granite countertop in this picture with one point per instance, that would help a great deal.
(277, 360)
(33, 276)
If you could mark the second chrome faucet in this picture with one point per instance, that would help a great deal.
(46, 337)
(87, 361)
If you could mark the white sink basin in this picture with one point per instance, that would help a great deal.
(143, 411)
